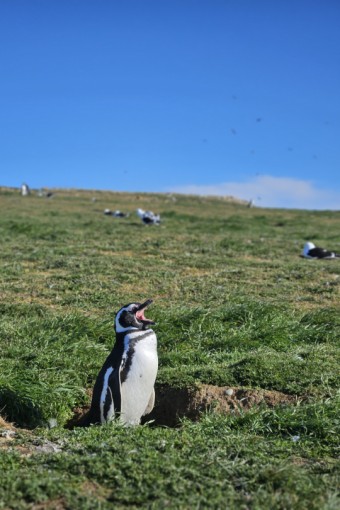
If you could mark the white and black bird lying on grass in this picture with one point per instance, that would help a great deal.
(148, 217)
(124, 388)
(310, 251)
(116, 214)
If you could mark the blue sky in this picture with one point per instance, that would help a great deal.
(235, 97)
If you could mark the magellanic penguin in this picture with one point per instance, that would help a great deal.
(148, 217)
(124, 387)
(310, 251)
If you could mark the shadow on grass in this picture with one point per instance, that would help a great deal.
(19, 409)
(172, 404)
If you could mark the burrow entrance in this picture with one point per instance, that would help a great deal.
(173, 404)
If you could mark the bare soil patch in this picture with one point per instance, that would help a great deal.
(52, 504)
(6, 425)
(94, 489)
(8, 436)
(172, 404)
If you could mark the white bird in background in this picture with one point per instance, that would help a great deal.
(25, 190)
(148, 217)
(310, 251)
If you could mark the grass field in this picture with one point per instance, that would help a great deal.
(237, 311)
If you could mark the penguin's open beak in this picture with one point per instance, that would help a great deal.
(140, 312)
(145, 304)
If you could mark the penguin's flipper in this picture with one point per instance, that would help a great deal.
(115, 387)
(151, 403)
(110, 397)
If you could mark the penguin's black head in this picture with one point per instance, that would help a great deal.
(132, 317)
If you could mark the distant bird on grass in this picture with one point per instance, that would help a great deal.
(310, 251)
(43, 193)
(120, 214)
(25, 190)
(148, 217)
(116, 214)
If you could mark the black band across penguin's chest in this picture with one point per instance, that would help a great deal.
(126, 367)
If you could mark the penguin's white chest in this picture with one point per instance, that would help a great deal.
(138, 386)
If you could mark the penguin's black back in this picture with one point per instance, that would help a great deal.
(114, 361)
(320, 253)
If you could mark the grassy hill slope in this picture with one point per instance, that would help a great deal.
(235, 307)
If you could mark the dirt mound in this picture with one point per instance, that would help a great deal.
(79, 414)
(53, 504)
(172, 404)
(5, 425)
(7, 434)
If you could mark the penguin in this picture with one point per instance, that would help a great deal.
(25, 190)
(124, 388)
(120, 214)
(148, 217)
(310, 251)
(116, 214)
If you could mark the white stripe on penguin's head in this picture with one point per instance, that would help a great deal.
(307, 247)
(131, 317)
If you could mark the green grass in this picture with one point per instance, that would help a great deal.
(232, 309)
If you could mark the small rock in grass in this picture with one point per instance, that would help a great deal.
(229, 392)
(295, 439)
(48, 447)
(52, 422)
